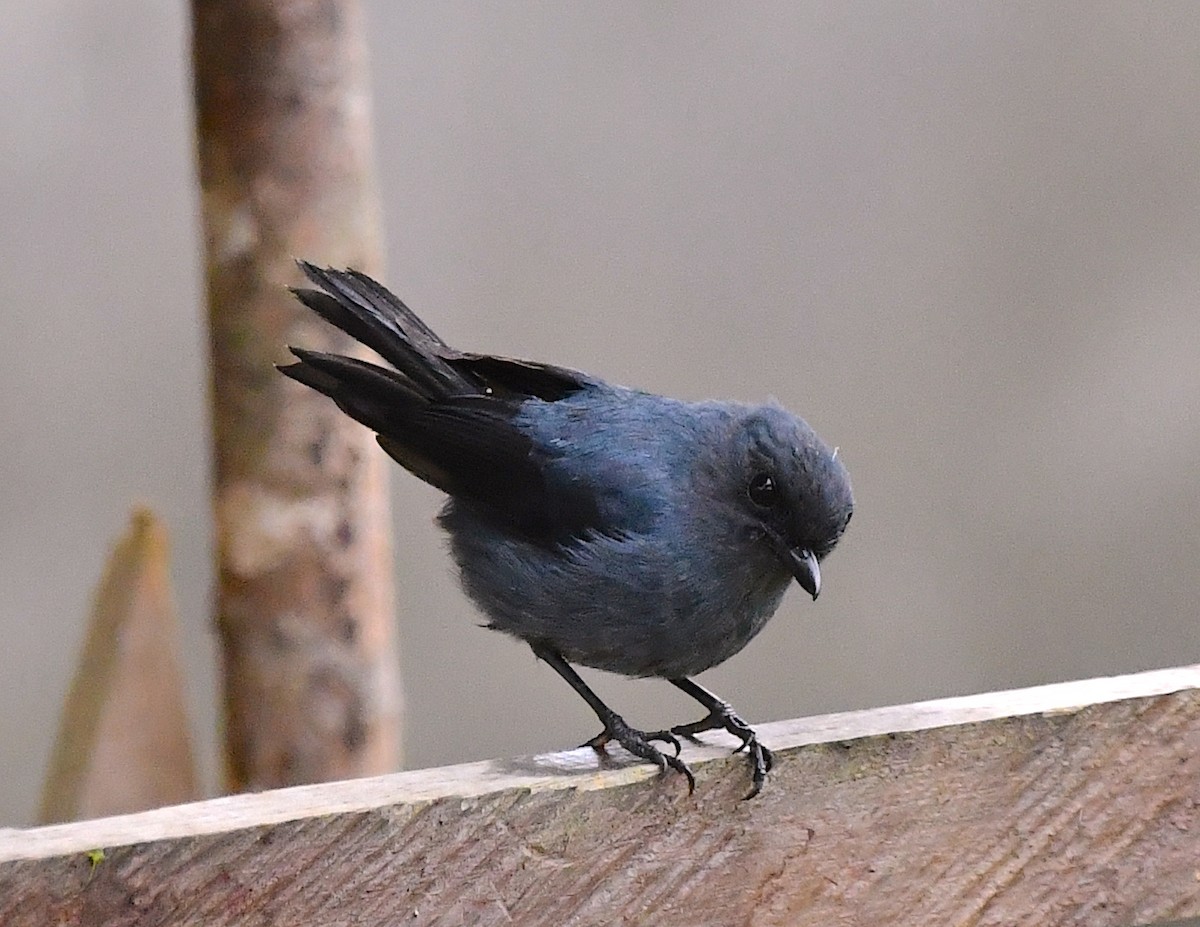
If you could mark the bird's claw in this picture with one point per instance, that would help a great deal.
(640, 744)
(725, 718)
(761, 761)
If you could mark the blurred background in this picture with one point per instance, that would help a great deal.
(960, 239)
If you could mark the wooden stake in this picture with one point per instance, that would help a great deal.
(304, 597)
(123, 742)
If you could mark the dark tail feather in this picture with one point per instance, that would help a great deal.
(380, 399)
(367, 312)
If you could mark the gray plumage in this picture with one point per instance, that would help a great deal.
(605, 526)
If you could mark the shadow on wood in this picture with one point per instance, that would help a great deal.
(1064, 804)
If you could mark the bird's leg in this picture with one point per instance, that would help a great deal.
(721, 716)
(639, 743)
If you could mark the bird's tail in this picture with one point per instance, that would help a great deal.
(447, 416)
(371, 314)
(384, 400)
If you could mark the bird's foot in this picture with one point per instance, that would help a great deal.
(640, 744)
(724, 718)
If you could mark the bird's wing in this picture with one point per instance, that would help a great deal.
(467, 446)
(520, 377)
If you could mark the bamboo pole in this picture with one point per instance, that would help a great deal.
(304, 598)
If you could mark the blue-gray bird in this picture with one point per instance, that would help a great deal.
(601, 525)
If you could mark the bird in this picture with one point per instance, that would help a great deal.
(602, 525)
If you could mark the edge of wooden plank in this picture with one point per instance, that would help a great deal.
(580, 769)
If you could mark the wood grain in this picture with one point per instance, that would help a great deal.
(1069, 804)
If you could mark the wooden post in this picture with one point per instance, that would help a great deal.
(304, 597)
(123, 743)
(1072, 804)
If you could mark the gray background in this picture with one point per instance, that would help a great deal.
(960, 238)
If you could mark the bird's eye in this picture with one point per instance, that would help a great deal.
(762, 490)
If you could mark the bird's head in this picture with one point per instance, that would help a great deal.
(792, 493)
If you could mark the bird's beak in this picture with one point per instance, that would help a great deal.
(805, 568)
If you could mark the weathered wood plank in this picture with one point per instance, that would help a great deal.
(1067, 804)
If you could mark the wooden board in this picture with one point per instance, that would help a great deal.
(1066, 804)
